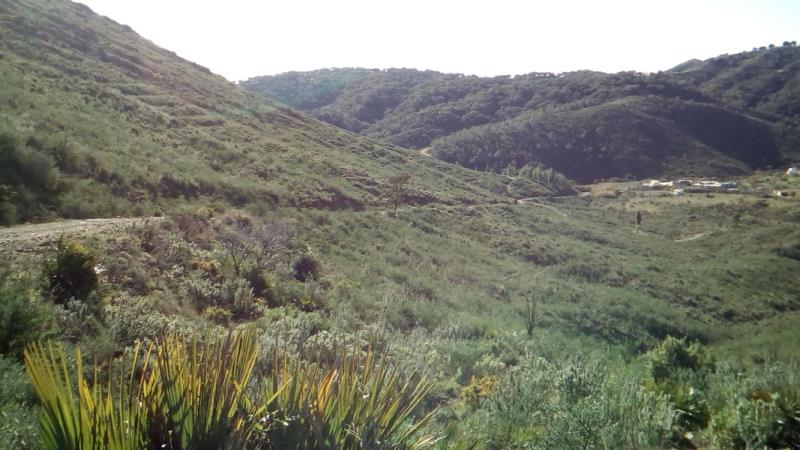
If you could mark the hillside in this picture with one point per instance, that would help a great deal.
(765, 80)
(421, 109)
(98, 121)
(295, 251)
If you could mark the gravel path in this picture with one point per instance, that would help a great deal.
(29, 238)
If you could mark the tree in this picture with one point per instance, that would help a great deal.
(397, 189)
(244, 239)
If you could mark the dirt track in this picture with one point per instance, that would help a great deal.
(27, 238)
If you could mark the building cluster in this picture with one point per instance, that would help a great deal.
(681, 186)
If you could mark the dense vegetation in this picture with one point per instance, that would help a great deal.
(729, 115)
(292, 285)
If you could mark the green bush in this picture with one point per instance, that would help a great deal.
(71, 273)
(674, 355)
(17, 408)
(757, 407)
(23, 316)
(29, 182)
(580, 405)
(306, 268)
(263, 286)
(217, 314)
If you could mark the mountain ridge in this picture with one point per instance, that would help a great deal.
(418, 109)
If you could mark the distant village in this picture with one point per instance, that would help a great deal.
(688, 185)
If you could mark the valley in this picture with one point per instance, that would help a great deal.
(390, 258)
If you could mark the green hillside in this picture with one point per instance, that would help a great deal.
(421, 109)
(104, 123)
(765, 80)
(304, 287)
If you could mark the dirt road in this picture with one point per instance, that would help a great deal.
(532, 201)
(27, 238)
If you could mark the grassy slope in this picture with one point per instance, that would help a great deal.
(424, 265)
(139, 118)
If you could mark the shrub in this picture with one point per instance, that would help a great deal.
(756, 408)
(130, 319)
(792, 251)
(17, 408)
(29, 181)
(71, 273)
(673, 355)
(478, 389)
(75, 319)
(203, 291)
(23, 316)
(263, 286)
(244, 303)
(306, 268)
(217, 314)
(305, 296)
(18, 427)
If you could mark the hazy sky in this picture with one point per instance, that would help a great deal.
(239, 39)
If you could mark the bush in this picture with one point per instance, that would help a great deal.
(756, 408)
(29, 181)
(18, 427)
(244, 304)
(305, 296)
(674, 355)
(218, 315)
(263, 286)
(306, 268)
(792, 251)
(23, 316)
(71, 273)
(17, 413)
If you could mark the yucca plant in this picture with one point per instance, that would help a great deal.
(112, 418)
(361, 402)
(176, 396)
(200, 401)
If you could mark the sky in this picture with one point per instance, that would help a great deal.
(240, 39)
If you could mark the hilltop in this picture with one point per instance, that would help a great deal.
(587, 125)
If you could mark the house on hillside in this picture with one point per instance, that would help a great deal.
(654, 184)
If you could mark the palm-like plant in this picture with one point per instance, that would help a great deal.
(110, 418)
(362, 402)
(180, 397)
(199, 402)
